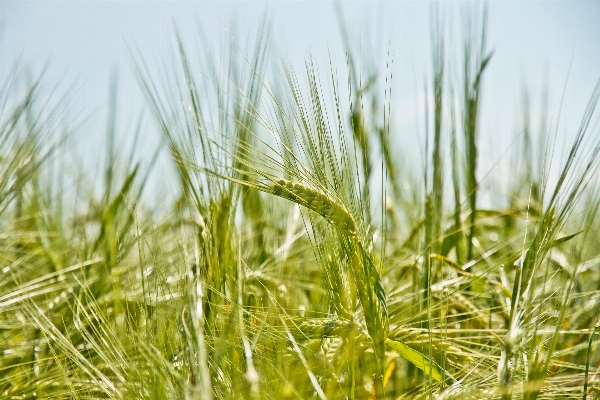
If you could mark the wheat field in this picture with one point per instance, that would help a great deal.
(301, 258)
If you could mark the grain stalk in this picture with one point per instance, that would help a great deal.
(475, 61)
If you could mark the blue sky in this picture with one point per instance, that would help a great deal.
(535, 42)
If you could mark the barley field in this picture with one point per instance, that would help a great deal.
(303, 258)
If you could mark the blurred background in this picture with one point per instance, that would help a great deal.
(542, 48)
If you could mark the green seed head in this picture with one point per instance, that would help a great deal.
(329, 208)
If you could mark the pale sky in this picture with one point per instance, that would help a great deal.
(557, 42)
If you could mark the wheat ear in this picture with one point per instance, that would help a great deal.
(333, 212)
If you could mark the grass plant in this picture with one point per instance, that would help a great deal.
(284, 269)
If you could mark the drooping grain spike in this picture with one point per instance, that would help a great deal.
(331, 210)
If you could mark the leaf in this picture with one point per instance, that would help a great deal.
(419, 360)
(563, 239)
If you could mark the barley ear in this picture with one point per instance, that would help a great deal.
(323, 204)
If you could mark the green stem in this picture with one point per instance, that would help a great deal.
(587, 362)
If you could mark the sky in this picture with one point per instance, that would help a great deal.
(537, 45)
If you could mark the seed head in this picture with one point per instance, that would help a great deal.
(332, 210)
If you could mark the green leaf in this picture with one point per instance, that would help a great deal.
(562, 240)
(419, 360)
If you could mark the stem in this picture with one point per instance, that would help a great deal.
(587, 362)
